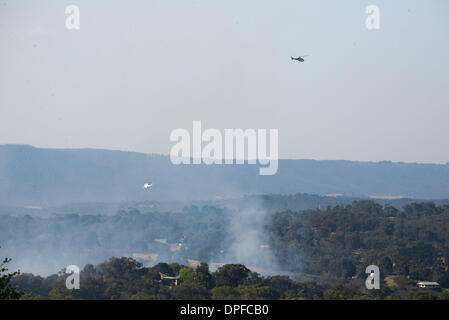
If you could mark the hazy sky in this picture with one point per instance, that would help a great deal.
(136, 70)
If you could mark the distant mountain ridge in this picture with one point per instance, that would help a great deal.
(35, 176)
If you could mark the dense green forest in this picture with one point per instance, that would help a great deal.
(338, 243)
(125, 278)
(208, 231)
(323, 254)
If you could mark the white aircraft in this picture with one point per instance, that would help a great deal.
(147, 185)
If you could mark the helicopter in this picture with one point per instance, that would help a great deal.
(300, 59)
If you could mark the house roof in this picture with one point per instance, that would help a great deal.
(429, 283)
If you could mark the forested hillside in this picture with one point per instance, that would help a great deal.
(338, 243)
(323, 254)
(124, 278)
(39, 177)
